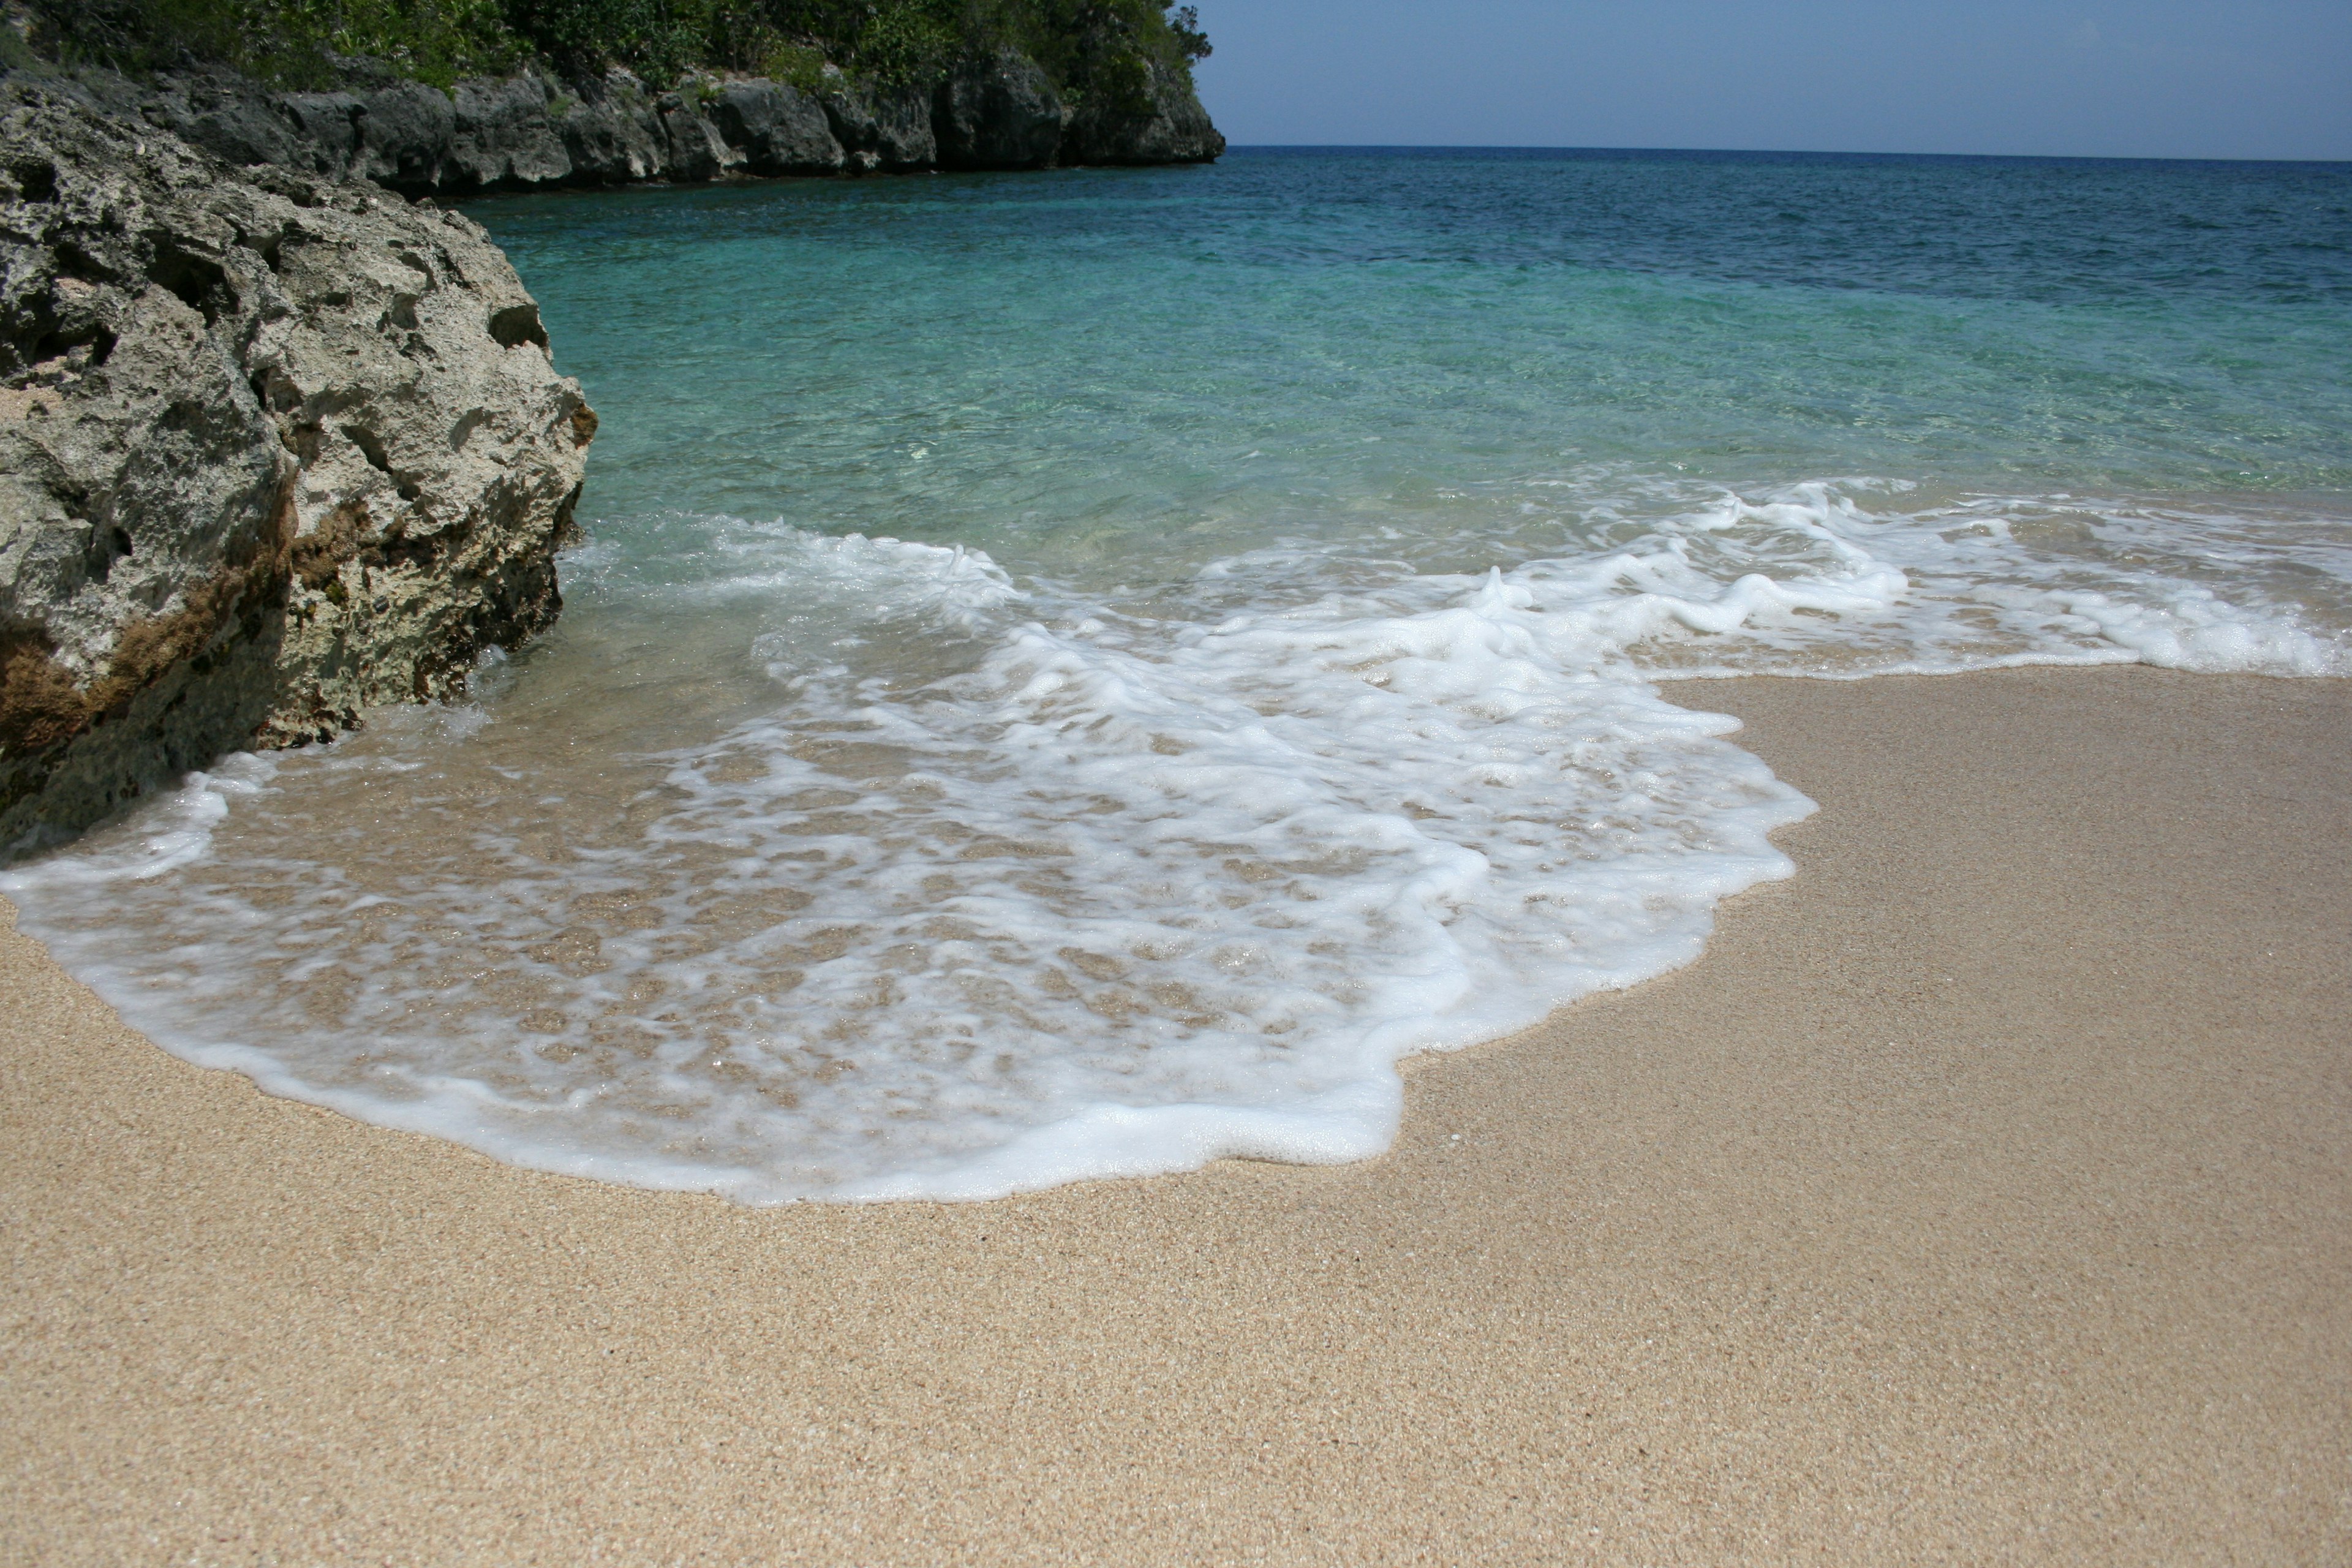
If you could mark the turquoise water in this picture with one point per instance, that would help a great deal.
(1304, 346)
(1103, 350)
(1075, 674)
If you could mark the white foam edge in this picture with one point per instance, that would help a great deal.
(1357, 1121)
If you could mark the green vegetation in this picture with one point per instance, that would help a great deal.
(1087, 47)
(294, 42)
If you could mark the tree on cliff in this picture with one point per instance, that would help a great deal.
(1087, 46)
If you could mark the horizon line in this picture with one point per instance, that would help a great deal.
(1760, 152)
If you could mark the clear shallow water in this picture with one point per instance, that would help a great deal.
(1075, 675)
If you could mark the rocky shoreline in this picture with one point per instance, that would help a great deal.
(534, 129)
(273, 449)
(277, 444)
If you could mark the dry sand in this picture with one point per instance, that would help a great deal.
(1984, 1194)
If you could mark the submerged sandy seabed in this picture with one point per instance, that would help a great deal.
(1984, 1193)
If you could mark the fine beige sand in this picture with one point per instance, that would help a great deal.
(1983, 1195)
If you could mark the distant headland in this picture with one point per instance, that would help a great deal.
(452, 98)
(276, 447)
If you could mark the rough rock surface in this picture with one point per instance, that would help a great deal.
(610, 131)
(1165, 125)
(881, 129)
(272, 450)
(502, 135)
(778, 128)
(532, 130)
(999, 114)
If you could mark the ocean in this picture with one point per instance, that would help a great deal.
(1077, 674)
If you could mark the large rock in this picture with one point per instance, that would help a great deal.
(610, 132)
(408, 132)
(777, 127)
(503, 135)
(881, 129)
(498, 133)
(325, 133)
(1163, 122)
(405, 135)
(997, 113)
(697, 151)
(272, 450)
(531, 131)
(232, 117)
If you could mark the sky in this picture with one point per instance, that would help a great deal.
(2165, 79)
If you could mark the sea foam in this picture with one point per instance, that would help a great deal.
(1008, 883)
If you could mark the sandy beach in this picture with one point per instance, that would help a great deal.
(1984, 1194)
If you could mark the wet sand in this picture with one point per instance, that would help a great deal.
(1985, 1193)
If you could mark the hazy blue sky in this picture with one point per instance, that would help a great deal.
(2164, 78)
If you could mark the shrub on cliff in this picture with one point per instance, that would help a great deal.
(1087, 46)
(295, 42)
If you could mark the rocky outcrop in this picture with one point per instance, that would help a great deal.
(610, 131)
(501, 135)
(998, 113)
(272, 449)
(1161, 123)
(773, 128)
(532, 130)
(885, 129)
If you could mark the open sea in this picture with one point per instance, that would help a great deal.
(1075, 674)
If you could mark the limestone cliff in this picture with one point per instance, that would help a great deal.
(534, 130)
(272, 449)
(1160, 122)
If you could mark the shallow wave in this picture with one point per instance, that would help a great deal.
(1842, 578)
(1102, 904)
(1005, 884)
